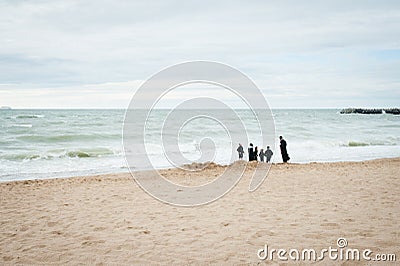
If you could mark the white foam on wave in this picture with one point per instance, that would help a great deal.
(22, 125)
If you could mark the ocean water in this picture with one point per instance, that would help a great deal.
(36, 144)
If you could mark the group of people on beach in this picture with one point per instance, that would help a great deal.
(255, 155)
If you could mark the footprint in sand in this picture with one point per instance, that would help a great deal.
(51, 224)
(263, 233)
(56, 232)
(330, 224)
(92, 242)
(7, 258)
(313, 236)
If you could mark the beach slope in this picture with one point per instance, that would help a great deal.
(109, 219)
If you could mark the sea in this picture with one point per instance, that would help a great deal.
(40, 144)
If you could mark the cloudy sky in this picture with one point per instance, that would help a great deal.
(91, 54)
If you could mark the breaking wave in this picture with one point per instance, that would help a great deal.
(29, 116)
(55, 154)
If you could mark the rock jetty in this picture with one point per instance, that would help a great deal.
(394, 111)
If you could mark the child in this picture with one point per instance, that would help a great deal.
(240, 151)
(268, 154)
(261, 155)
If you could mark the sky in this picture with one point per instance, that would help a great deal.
(301, 54)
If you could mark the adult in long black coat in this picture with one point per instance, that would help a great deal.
(251, 152)
(285, 155)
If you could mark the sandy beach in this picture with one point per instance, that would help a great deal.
(108, 219)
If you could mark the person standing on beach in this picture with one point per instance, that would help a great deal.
(240, 151)
(285, 155)
(251, 152)
(261, 155)
(255, 154)
(268, 155)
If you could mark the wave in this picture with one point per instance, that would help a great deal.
(391, 126)
(30, 116)
(298, 128)
(58, 154)
(67, 137)
(357, 144)
(362, 144)
(78, 154)
(22, 125)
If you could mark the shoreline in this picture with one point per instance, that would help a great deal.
(173, 168)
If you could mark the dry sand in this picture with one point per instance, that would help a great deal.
(108, 219)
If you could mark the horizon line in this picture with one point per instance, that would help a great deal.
(2, 108)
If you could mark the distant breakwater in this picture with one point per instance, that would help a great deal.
(394, 111)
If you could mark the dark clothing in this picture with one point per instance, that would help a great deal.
(261, 156)
(251, 154)
(240, 151)
(268, 154)
(285, 155)
(255, 154)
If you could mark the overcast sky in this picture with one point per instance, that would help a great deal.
(300, 53)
